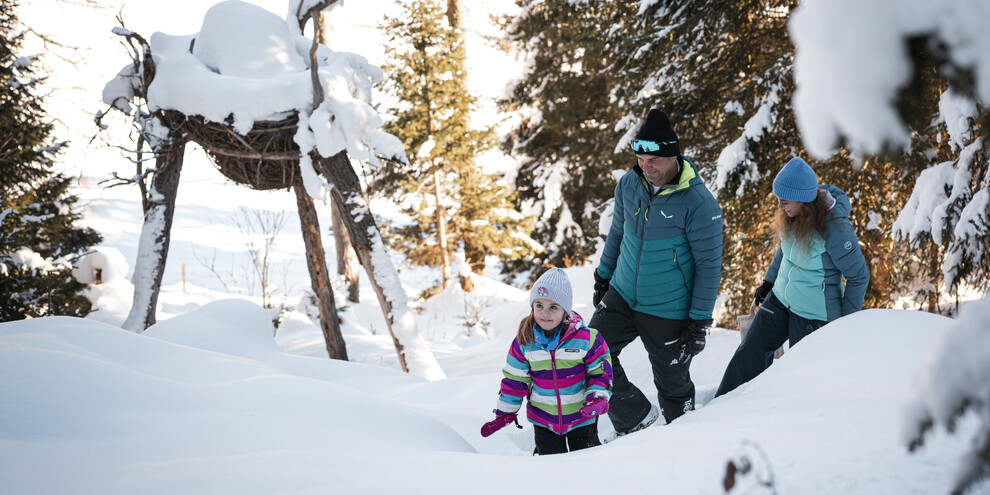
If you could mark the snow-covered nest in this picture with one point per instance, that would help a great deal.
(243, 89)
(265, 158)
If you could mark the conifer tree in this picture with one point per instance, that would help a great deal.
(454, 204)
(566, 140)
(724, 72)
(38, 236)
(947, 240)
(721, 70)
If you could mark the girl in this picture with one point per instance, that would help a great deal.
(802, 289)
(561, 366)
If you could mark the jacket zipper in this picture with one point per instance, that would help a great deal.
(564, 335)
(642, 243)
(788, 284)
(679, 269)
(556, 391)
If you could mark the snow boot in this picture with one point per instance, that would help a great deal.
(651, 417)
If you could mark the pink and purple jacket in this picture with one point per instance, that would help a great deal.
(556, 381)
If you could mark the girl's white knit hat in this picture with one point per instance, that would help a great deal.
(555, 286)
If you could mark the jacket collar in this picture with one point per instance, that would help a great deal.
(688, 173)
(567, 328)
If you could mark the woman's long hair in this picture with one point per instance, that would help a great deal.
(812, 218)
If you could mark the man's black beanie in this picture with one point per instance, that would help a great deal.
(657, 129)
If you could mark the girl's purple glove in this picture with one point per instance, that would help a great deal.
(594, 406)
(497, 424)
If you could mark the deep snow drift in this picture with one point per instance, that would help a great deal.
(208, 402)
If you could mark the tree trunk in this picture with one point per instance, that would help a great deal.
(159, 206)
(467, 283)
(935, 274)
(318, 276)
(347, 260)
(441, 230)
(452, 14)
(414, 356)
(474, 254)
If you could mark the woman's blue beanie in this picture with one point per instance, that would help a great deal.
(796, 182)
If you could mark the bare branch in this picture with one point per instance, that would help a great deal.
(312, 13)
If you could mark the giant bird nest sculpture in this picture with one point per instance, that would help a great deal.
(266, 157)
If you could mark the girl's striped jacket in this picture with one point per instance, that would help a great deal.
(556, 381)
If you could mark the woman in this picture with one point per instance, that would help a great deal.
(802, 289)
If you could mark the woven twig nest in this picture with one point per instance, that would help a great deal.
(266, 158)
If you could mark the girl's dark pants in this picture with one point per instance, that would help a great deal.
(620, 325)
(548, 442)
(772, 325)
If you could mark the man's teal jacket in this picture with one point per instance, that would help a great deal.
(663, 252)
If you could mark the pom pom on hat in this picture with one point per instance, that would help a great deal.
(657, 129)
(555, 286)
(796, 182)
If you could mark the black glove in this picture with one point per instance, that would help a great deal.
(692, 340)
(762, 292)
(601, 287)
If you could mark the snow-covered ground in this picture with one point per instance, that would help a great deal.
(211, 402)
(213, 399)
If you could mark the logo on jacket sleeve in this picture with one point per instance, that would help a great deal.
(848, 245)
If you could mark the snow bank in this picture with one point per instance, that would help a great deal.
(90, 408)
(205, 403)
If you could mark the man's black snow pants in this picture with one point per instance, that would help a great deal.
(620, 325)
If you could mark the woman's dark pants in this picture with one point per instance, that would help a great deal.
(773, 325)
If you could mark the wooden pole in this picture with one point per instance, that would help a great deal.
(156, 234)
(360, 224)
(318, 276)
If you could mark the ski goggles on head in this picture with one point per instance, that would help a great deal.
(645, 146)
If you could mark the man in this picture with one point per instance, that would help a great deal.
(659, 274)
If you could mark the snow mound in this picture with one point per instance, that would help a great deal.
(230, 326)
(89, 393)
(243, 40)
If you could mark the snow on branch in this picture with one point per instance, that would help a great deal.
(735, 159)
(930, 191)
(969, 237)
(953, 381)
(847, 86)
